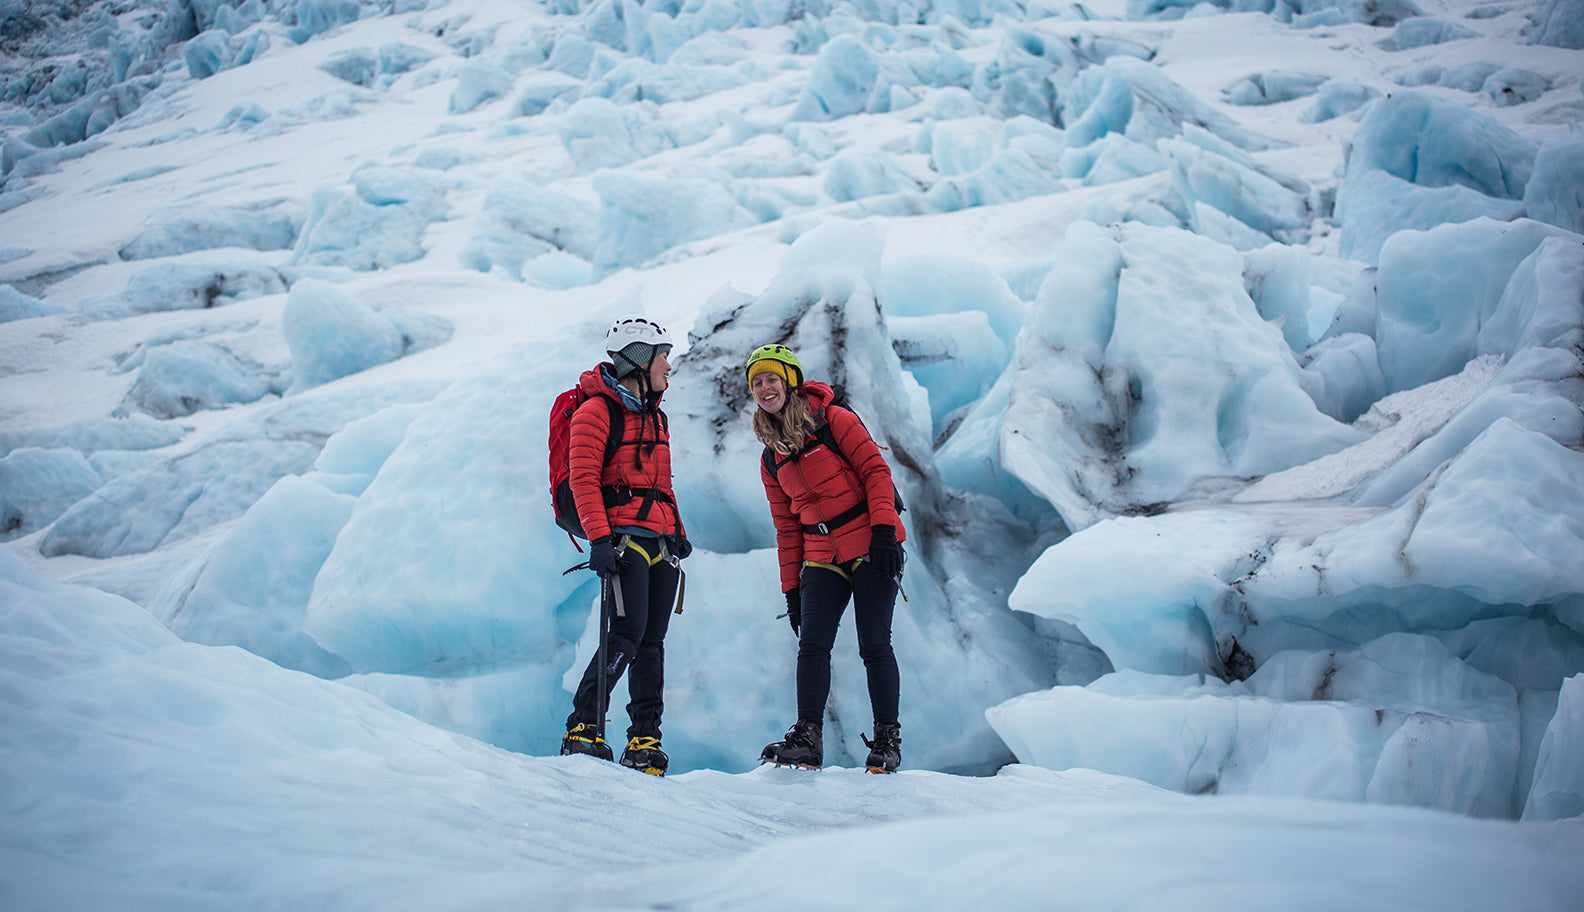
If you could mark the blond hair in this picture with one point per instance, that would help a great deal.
(785, 431)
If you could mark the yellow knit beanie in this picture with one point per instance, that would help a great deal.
(768, 366)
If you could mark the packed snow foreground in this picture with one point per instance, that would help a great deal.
(1241, 438)
(143, 772)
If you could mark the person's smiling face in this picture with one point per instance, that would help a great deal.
(770, 391)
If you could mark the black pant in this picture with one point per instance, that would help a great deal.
(637, 639)
(825, 592)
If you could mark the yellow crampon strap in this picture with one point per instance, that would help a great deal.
(638, 744)
(576, 735)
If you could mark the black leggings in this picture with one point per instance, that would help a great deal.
(636, 639)
(825, 591)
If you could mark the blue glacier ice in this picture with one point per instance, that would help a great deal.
(522, 220)
(1555, 191)
(1419, 161)
(379, 222)
(177, 232)
(37, 485)
(189, 284)
(14, 305)
(217, 478)
(641, 217)
(184, 376)
(332, 334)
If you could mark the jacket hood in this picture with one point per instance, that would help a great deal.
(818, 394)
(600, 380)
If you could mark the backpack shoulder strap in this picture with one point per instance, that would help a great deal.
(828, 437)
(618, 423)
(824, 434)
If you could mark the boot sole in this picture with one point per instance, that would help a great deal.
(597, 756)
(882, 771)
(800, 766)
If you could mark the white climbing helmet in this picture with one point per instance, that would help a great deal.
(633, 341)
(635, 328)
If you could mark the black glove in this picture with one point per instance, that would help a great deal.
(680, 546)
(884, 552)
(602, 556)
(794, 599)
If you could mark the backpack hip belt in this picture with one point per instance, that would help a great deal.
(829, 526)
(621, 494)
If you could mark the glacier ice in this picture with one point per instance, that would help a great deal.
(1558, 790)
(378, 223)
(199, 283)
(1361, 724)
(1111, 412)
(1419, 32)
(641, 217)
(331, 334)
(1256, 199)
(522, 220)
(844, 73)
(14, 305)
(272, 227)
(1273, 87)
(1559, 23)
(217, 478)
(90, 435)
(1434, 299)
(1338, 97)
(1417, 161)
(251, 588)
(1555, 191)
(1130, 96)
(37, 485)
(185, 376)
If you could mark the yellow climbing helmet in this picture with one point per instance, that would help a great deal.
(775, 359)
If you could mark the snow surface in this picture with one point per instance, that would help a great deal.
(1235, 398)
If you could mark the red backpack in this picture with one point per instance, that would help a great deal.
(561, 412)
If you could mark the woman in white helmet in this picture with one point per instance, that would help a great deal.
(636, 539)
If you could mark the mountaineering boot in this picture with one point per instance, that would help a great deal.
(885, 751)
(645, 755)
(803, 747)
(585, 739)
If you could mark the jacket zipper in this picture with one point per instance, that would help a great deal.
(798, 464)
(835, 544)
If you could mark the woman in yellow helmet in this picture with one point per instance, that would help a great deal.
(838, 536)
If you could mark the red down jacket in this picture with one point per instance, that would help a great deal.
(818, 485)
(642, 462)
